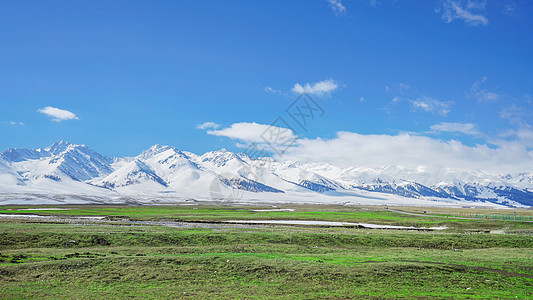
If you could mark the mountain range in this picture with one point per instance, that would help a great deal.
(69, 173)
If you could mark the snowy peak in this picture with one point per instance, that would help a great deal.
(137, 165)
(524, 180)
(158, 149)
(291, 172)
(58, 147)
(133, 173)
(60, 161)
(220, 158)
(224, 160)
(166, 158)
(80, 163)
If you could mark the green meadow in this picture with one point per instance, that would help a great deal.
(117, 260)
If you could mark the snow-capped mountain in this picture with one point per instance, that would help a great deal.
(59, 161)
(164, 174)
(133, 173)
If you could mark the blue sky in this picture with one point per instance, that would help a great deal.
(121, 76)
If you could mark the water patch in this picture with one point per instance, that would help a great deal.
(273, 209)
(225, 224)
(21, 209)
(23, 216)
(330, 223)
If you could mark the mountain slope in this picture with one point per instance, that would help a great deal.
(243, 173)
(22, 154)
(133, 173)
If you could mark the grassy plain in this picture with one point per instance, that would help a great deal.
(50, 260)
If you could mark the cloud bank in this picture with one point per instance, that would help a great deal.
(350, 149)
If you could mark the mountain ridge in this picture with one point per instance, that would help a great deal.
(217, 175)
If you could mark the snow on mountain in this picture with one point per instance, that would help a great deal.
(32, 176)
(470, 185)
(176, 168)
(133, 173)
(240, 172)
(523, 180)
(58, 147)
(181, 173)
(164, 171)
(8, 176)
(22, 154)
(222, 158)
(291, 172)
(59, 161)
(81, 163)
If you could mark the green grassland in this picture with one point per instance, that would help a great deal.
(50, 260)
(377, 215)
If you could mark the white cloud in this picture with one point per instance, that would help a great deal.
(418, 101)
(399, 88)
(517, 115)
(324, 87)
(402, 87)
(374, 3)
(469, 11)
(272, 90)
(528, 98)
(523, 135)
(337, 7)
(511, 112)
(509, 8)
(465, 128)
(490, 96)
(256, 133)
(480, 94)
(350, 149)
(57, 114)
(432, 105)
(207, 125)
(16, 123)
(476, 4)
